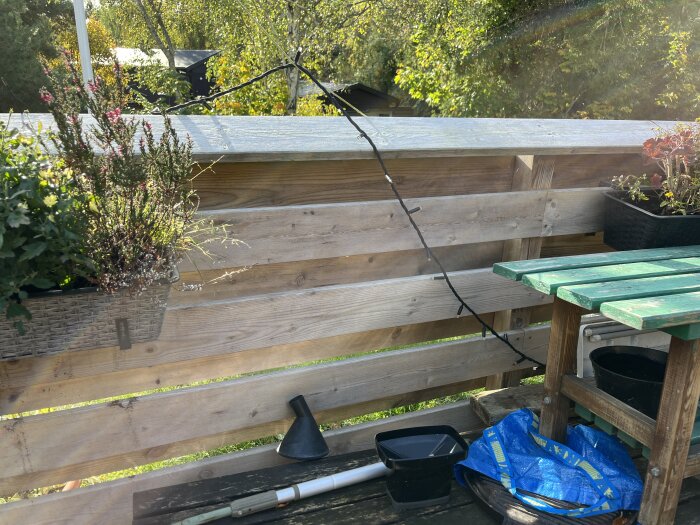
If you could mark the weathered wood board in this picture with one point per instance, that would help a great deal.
(265, 139)
(206, 285)
(111, 503)
(612, 410)
(591, 296)
(261, 184)
(264, 184)
(516, 270)
(493, 405)
(293, 233)
(138, 428)
(550, 282)
(657, 312)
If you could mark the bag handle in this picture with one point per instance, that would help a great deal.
(609, 500)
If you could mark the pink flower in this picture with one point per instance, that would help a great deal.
(656, 180)
(45, 96)
(147, 126)
(93, 86)
(114, 115)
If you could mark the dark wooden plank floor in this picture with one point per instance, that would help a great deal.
(365, 503)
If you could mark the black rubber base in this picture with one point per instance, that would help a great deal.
(499, 501)
(408, 505)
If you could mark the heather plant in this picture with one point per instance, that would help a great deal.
(140, 207)
(675, 188)
(41, 230)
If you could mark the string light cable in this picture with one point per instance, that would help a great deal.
(486, 327)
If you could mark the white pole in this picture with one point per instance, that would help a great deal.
(272, 498)
(83, 43)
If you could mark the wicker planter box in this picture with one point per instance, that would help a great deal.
(83, 319)
(628, 227)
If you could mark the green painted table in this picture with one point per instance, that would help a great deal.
(645, 289)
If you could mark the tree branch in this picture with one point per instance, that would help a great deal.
(166, 34)
(167, 51)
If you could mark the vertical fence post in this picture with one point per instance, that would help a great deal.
(529, 173)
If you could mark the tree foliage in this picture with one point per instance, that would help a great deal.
(517, 58)
(147, 24)
(27, 29)
(557, 58)
(101, 48)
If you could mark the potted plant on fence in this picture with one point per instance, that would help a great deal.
(662, 209)
(90, 235)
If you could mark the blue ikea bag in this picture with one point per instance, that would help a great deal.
(592, 470)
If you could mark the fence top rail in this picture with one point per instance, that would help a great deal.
(264, 139)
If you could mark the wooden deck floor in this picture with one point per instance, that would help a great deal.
(365, 503)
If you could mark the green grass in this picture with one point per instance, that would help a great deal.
(534, 380)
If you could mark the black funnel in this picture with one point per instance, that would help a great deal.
(303, 440)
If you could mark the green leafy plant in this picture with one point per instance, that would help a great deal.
(41, 230)
(111, 207)
(675, 188)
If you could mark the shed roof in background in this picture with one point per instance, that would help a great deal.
(184, 58)
(308, 88)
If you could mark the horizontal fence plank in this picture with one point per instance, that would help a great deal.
(208, 285)
(576, 244)
(224, 327)
(259, 184)
(293, 233)
(221, 439)
(261, 321)
(72, 377)
(95, 437)
(265, 139)
(111, 503)
(96, 374)
(587, 171)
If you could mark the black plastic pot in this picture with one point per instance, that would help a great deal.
(421, 460)
(632, 374)
(629, 227)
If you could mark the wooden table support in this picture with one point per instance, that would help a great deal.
(655, 289)
(561, 360)
(674, 425)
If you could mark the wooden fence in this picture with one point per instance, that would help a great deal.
(330, 268)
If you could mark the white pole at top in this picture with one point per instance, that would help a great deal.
(83, 43)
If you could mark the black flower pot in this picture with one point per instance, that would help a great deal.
(629, 227)
(632, 374)
(421, 460)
